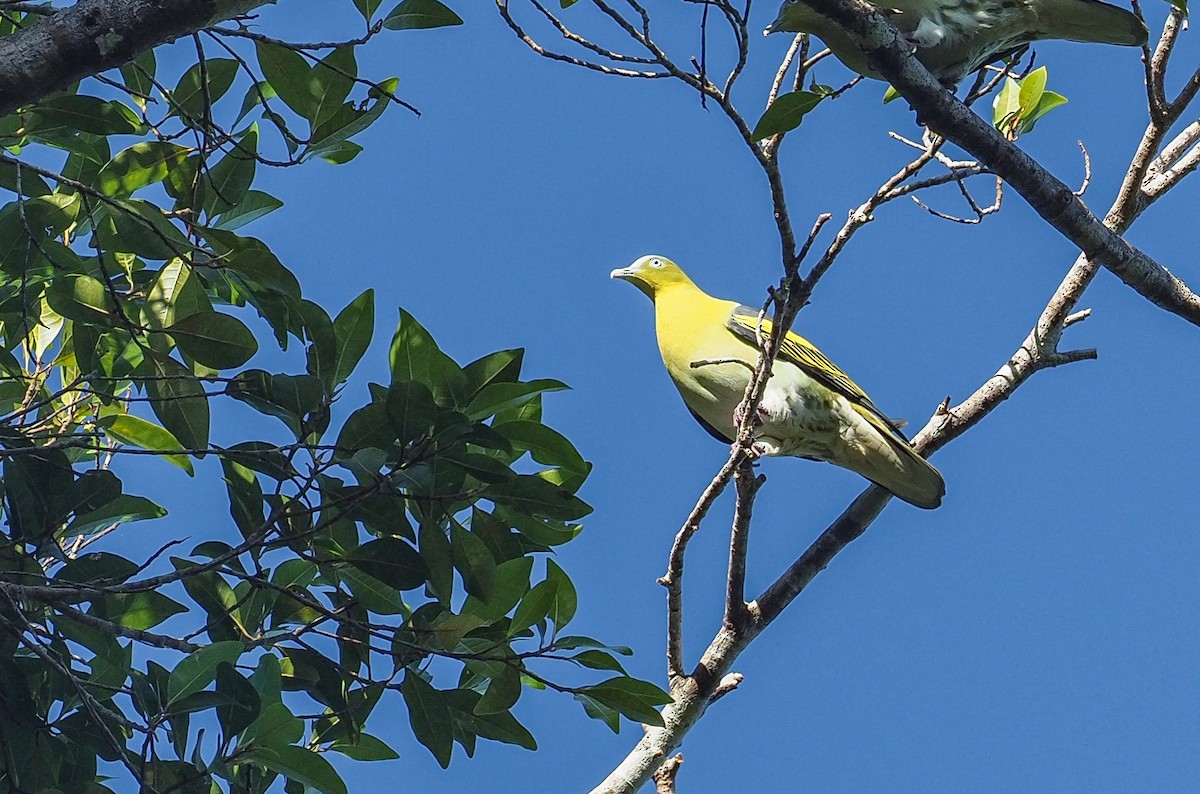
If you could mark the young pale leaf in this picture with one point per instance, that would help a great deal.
(785, 113)
(414, 14)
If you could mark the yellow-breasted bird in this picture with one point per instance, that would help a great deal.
(953, 38)
(810, 408)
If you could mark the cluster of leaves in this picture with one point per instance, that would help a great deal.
(1022, 103)
(405, 548)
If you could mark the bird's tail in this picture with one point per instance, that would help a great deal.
(884, 457)
(1089, 21)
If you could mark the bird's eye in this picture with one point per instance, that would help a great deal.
(655, 263)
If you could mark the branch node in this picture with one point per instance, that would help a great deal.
(664, 776)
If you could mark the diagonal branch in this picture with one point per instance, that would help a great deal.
(936, 107)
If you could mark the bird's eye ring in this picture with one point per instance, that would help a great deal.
(655, 263)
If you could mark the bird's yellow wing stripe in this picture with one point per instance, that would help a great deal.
(743, 321)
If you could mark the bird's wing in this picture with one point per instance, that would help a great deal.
(744, 323)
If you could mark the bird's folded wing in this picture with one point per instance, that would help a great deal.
(744, 323)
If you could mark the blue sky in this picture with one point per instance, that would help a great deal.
(1037, 632)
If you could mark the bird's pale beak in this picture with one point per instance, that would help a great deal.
(621, 273)
(778, 24)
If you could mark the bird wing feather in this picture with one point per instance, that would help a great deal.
(744, 323)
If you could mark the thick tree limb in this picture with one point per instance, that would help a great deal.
(889, 54)
(93, 36)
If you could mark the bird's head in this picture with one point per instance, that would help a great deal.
(793, 16)
(652, 274)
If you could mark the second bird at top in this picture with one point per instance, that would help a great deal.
(954, 38)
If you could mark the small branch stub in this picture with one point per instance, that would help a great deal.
(664, 778)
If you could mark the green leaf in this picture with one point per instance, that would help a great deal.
(365, 747)
(177, 292)
(353, 328)
(546, 445)
(332, 78)
(785, 113)
(254, 205)
(415, 14)
(367, 8)
(138, 166)
(565, 598)
(216, 340)
(534, 607)
(276, 726)
(1033, 85)
(201, 86)
(429, 716)
(243, 703)
(511, 584)
(245, 497)
(289, 74)
(199, 669)
(135, 431)
(141, 610)
(474, 561)
(288, 397)
(230, 179)
(301, 765)
(634, 699)
(410, 409)
(81, 298)
(178, 400)
(1048, 102)
(85, 114)
(497, 397)
(97, 568)
(537, 497)
(438, 556)
(392, 561)
(598, 660)
(34, 486)
(122, 510)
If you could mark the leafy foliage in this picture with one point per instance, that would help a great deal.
(357, 554)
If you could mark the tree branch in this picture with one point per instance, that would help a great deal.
(93, 36)
(888, 53)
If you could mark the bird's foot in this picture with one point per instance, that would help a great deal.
(739, 414)
(764, 447)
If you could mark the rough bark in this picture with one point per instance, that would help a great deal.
(93, 36)
(889, 55)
